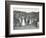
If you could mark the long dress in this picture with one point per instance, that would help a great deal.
(23, 22)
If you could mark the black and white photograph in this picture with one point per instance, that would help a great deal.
(25, 18)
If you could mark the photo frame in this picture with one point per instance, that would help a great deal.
(24, 18)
